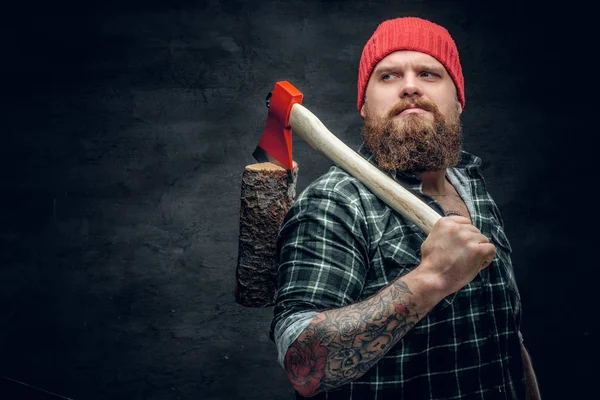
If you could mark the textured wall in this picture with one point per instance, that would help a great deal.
(127, 128)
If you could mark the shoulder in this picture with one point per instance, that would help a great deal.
(338, 184)
(335, 199)
(343, 191)
(335, 184)
(468, 173)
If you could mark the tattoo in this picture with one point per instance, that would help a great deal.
(342, 344)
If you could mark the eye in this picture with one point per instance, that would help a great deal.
(387, 77)
(429, 74)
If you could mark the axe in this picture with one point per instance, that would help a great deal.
(286, 113)
(268, 190)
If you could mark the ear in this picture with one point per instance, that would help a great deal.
(459, 107)
(362, 111)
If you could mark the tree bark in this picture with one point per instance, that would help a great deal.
(267, 194)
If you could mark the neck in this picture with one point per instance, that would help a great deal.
(434, 182)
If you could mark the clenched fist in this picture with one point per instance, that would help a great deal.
(454, 253)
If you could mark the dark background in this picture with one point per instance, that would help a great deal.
(126, 127)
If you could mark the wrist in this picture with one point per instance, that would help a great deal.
(429, 286)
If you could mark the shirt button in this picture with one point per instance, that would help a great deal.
(418, 252)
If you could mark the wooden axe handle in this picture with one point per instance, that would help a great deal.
(311, 129)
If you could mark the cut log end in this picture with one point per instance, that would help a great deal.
(264, 166)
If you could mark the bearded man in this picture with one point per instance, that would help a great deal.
(367, 307)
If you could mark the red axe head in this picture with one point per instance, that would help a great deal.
(275, 145)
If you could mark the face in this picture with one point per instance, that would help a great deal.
(412, 114)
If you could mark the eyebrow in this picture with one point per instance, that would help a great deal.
(385, 69)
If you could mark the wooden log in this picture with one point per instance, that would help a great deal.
(268, 191)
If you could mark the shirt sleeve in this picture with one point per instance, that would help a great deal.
(287, 331)
(323, 258)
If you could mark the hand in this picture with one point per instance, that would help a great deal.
(454, 253)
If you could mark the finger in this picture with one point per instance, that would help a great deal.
(459, 219)
(471, 234)
(488, 251)
(484, 264)
(483, 239)
(471, 228)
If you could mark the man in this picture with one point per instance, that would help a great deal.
(367, 307)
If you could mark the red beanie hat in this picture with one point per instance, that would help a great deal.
(410, 33)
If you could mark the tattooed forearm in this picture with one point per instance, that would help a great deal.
(340, 345)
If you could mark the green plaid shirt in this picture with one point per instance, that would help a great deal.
(339, 244)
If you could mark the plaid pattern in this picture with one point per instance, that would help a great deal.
(339, 244)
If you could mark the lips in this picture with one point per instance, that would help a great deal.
(412, 106)
(410, 110)
(413, 111)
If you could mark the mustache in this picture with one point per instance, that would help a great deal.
(404, 104)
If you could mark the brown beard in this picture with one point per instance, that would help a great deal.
(411, 143)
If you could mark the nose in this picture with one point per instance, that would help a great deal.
(410, 87)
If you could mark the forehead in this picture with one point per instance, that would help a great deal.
(408, 59)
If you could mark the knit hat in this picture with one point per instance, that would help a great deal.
(410, 33)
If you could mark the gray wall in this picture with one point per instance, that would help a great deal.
(127, 127)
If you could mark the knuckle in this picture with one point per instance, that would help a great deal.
(463, 235)
(475, 248)
(488, 253)
(444, 223)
